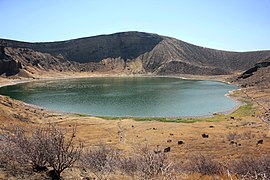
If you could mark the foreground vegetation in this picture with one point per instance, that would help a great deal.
(48, 151)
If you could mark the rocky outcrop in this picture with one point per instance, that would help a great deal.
(8, 66)
(254, 69)
(258, 75)
(117, 64)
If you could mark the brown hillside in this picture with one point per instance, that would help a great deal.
(131, 52)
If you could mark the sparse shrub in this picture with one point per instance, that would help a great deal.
(251, 168)
(148, 163)
(247, 135)
(151, 164)
(45, 146)
(22, 149)
(60, 150)
(145, 163)
(204, 165)
(102, 161)
(232, 136)
(12, 160)
(129, 166)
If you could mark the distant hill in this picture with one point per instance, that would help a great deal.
(129, 52)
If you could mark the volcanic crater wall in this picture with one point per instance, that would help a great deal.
(129, 52)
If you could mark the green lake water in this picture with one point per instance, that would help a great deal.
(126, 96)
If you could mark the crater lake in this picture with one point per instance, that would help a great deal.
(126, 96)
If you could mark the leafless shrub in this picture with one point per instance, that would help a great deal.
(247, 135)
(151, 164)
(60, 151)
(11, 159)
(21, 149)
(101, 161)
(204, 165)
(148, 163)
(45, 146)
(232, 136)
(251, 168)
(3, 160)
(129, 166)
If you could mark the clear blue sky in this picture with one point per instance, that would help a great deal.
(238, 25)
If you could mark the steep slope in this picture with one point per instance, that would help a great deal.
(137, 52)
(175, 56)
